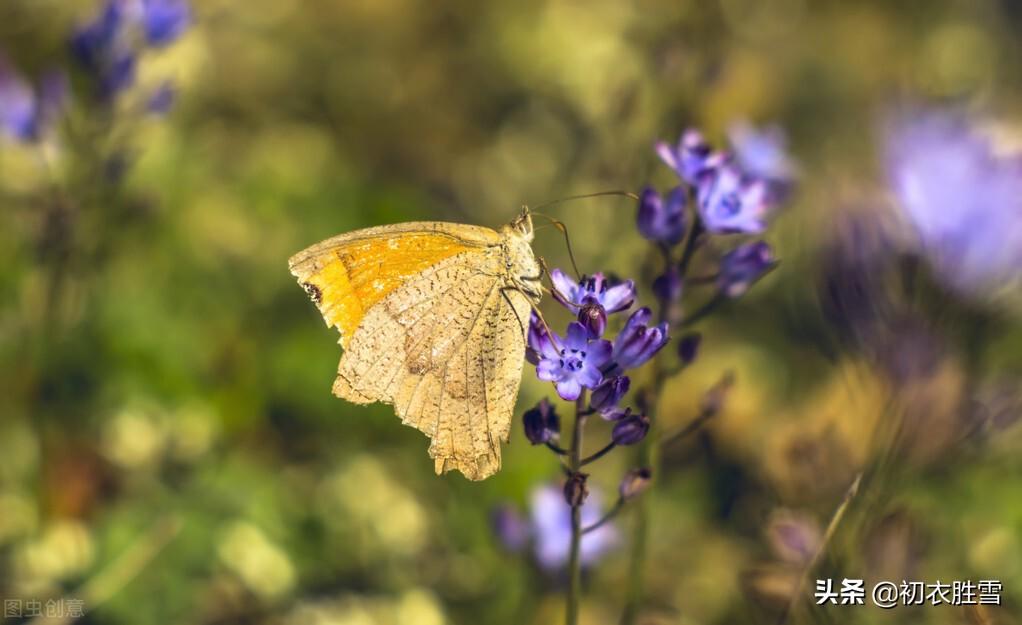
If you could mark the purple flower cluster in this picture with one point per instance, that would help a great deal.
(583, 358)
(732, 193)
(108, 47)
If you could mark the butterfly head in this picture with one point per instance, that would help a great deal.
(522, 225)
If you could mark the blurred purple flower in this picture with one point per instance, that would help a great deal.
(551, 525)
(662, 220)
(762, 153)
(963, 200)
(692, 158)
(743, 266)
(638, 342)
(93, 42)
(512, 530)
(732, 202)
(594, 289)
(165, 20)
(575, 365)
(688, 347)
(26, 114)
(541, 423)
(106, 48)
(667, 286)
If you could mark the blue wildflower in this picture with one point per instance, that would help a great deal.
(762, 153)
(575, 364)
(93, 42)
(165, 20)
(659, 220)
(692, 158)
(742, 266)
(963, 200)
(638, 342)
(551, 528)
(26, 114)
(731, 202)
(593, 289)
(512, 530)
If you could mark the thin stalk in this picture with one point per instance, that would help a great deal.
(607, 517)
(574, 561)
(596, 456)
(828, 534)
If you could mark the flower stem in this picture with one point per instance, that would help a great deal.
(574, 561)
(607, 517)
(599, 454)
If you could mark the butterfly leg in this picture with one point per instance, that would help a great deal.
(552, 290)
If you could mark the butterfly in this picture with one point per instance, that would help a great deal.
(433, 318)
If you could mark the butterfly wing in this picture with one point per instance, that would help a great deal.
(348, 274)
(444, 344)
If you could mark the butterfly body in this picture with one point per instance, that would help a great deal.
(432, 317)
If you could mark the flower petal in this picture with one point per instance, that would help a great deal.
(569, 389)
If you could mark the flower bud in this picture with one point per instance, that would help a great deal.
(635, 482)
(743, 266)
(541, 423)
(607, 395)
(594, 318)
(667, 286)
(662, 219)
(630, 428)
(688, 347)
(575, 489)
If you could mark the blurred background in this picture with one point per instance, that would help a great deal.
(170, 451)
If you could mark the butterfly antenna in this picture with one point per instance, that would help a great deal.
(584, 196)
(567, 242)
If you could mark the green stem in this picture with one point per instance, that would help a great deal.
(574, 561)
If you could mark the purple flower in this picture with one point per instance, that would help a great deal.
(732, 202)
(25, 114)
(607, 395)
(541, 423)
(742, 266)
(630, 428)
(638, 342)
(512, 530)
(538, 340)
(762, 153)
(165, 20)
(963, 200)
(659, 220)
(595, 289)
(575, 364)
(692, 158)
(551, 525)
(93, 42)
